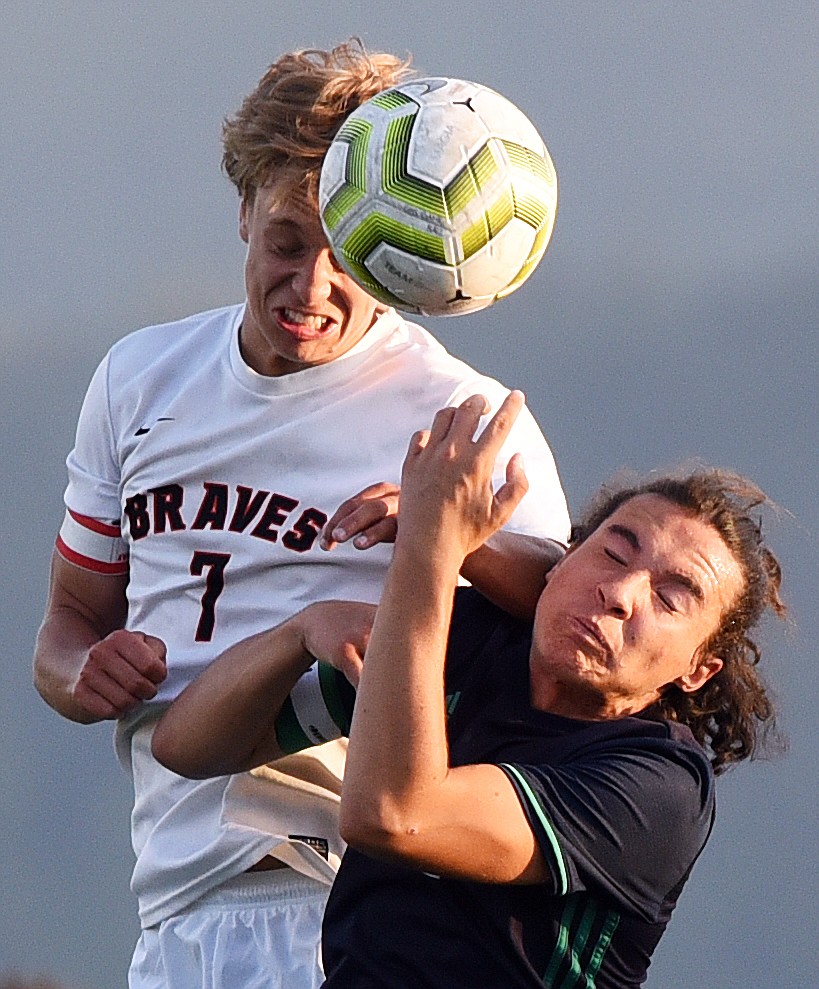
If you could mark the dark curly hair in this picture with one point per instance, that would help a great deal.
(732, 714)
(293, 114)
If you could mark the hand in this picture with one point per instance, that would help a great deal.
(337, 632)
(447, 492)
(370, 516)
(121, 671)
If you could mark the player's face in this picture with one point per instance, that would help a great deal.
(302, 309)
(626, 612)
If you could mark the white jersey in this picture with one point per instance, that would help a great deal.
(221, 480)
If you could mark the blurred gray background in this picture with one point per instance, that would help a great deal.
(674, 316)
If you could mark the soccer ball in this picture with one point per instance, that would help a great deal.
(438, 196)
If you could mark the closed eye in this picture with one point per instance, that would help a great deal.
(285, 250)
(614, 556)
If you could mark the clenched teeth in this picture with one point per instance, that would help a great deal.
(305, 319)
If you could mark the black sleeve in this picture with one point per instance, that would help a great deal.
(626, 820)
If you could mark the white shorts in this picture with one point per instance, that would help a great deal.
(261, 930)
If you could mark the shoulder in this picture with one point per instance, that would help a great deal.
(645, 749)
(621, 807)
(151, 364)
(643, 769)
(413, 348)
(152, 342)
(638, 762)
(170, 351)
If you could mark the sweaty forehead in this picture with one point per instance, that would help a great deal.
(669, 536)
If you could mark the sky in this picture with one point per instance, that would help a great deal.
(674, 317)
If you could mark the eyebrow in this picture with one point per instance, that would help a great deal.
(690, 585)
(683, 579)
(629, 535)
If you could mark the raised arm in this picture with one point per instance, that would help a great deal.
(86, 666)
(401, 799)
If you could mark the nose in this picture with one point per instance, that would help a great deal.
(312, 278)
(619, 594)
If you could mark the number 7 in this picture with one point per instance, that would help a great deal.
(214, 585)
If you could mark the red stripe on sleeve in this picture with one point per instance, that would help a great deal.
(104, 528)
(119, 567)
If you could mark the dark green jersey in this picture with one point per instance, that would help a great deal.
(620, 809)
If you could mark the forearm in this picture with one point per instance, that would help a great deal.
(83, 608)
(224, 722)
(510, 569)
(400, 797)
(398, 750)
(60, 653)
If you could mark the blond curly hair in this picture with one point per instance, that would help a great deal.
(289, 120)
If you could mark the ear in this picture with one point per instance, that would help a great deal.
(705, 667)
(244, 209)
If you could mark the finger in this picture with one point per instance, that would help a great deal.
(141, 685)
(384, 531)
(418, 442)
(516, 472)
(469, 414)
(441, 424)
(131, 659)
(351, 666)
(501, 423)
(364, 515)
(378, 490)
(159, 649)
(145, 655)
(476, 402)
(364, 519)
(336, 521)
(97, 706)
(509, 494)
(123, 649)
(101, 693)
(338, 515)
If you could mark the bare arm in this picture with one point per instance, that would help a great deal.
(225, 721)
(86, 666)
(509, 568)
(401, 799)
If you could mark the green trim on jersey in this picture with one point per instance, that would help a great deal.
(576, 960)
(561, 888)
(289, 734)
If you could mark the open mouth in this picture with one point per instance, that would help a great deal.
(303, 325)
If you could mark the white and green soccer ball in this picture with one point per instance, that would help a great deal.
(438, 196)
